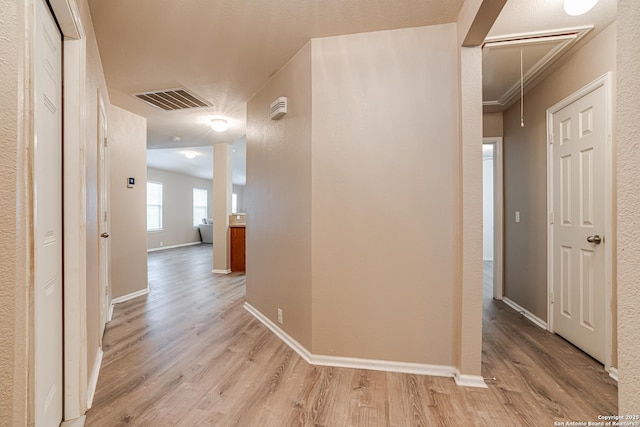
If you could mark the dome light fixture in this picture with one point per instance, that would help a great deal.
(190, 154)
(219, 125)
(578, 7)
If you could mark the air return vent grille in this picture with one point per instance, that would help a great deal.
(173, 99)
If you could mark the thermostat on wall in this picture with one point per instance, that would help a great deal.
(131, 182)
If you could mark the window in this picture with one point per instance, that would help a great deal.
(199, 206)
(154, 206)
(234, 203)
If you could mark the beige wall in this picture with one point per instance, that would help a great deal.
(525, 171)
(384, 171)
(13, 230)
(329, 183)
(128, 158)
(177, 215)
(492, 124)
(628, 164)
(278, 198)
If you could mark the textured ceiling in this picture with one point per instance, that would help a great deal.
(225, 50)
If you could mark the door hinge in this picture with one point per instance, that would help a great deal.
(551, 218)
(105, 216)
(552, 298)
(105, 142)
(550, 138)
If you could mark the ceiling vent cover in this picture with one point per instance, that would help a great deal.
(173, 99)
(278, 108)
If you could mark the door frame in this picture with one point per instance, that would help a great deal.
(604, 81)
(74, 59)
(498, 215)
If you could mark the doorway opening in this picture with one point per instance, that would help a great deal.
(492, 217)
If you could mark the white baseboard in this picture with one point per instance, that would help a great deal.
(76, 422)
(464, 380)
(93, 381)
(216, 271)
(613, 373)
(526, 313)
(182, 245)
(288, 339)
(110, 312)
(352, 362)
(130, 296)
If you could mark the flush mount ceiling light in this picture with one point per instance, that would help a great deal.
(578, 7)
(176, 138)
(219, 125)
(190, 154)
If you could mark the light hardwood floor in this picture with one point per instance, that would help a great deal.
(188, 354)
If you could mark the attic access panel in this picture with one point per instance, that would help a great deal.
(501, 62)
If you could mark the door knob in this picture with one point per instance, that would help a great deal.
(105, 235)
(594, 239)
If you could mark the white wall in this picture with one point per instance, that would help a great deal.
(177, 202)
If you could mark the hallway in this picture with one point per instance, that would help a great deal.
(188, 354)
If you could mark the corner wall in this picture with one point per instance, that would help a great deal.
(128, 158)
(525, 171)
(177, 214)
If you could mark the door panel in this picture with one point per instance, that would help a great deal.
(579, 196)
(48, 219)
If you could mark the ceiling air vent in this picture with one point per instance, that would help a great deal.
(173, 99)
(278, 108)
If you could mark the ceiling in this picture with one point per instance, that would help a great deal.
(226, 50)
(201, 166)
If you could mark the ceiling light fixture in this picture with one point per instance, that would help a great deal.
(190, 154)
(219, 125)
(176, 138)
(578, 7)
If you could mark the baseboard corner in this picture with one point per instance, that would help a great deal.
(217, 271)
(613, 373)
(464, 380)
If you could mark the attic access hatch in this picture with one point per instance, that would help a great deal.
(173, 99)
(501, 62)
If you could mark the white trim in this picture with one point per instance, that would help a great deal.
(526, 313)
(498, 216)
(216, 271)
(161, 248)
(132, 295)
(111, 306)
(358, 363)
(384, 365)
(604, 81)
(74, 59)
(76, 422)
(613, 373)
(469, 380)
(93, 381)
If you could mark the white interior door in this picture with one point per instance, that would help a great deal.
(104, 218)
(579, 204)
(48, 218)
